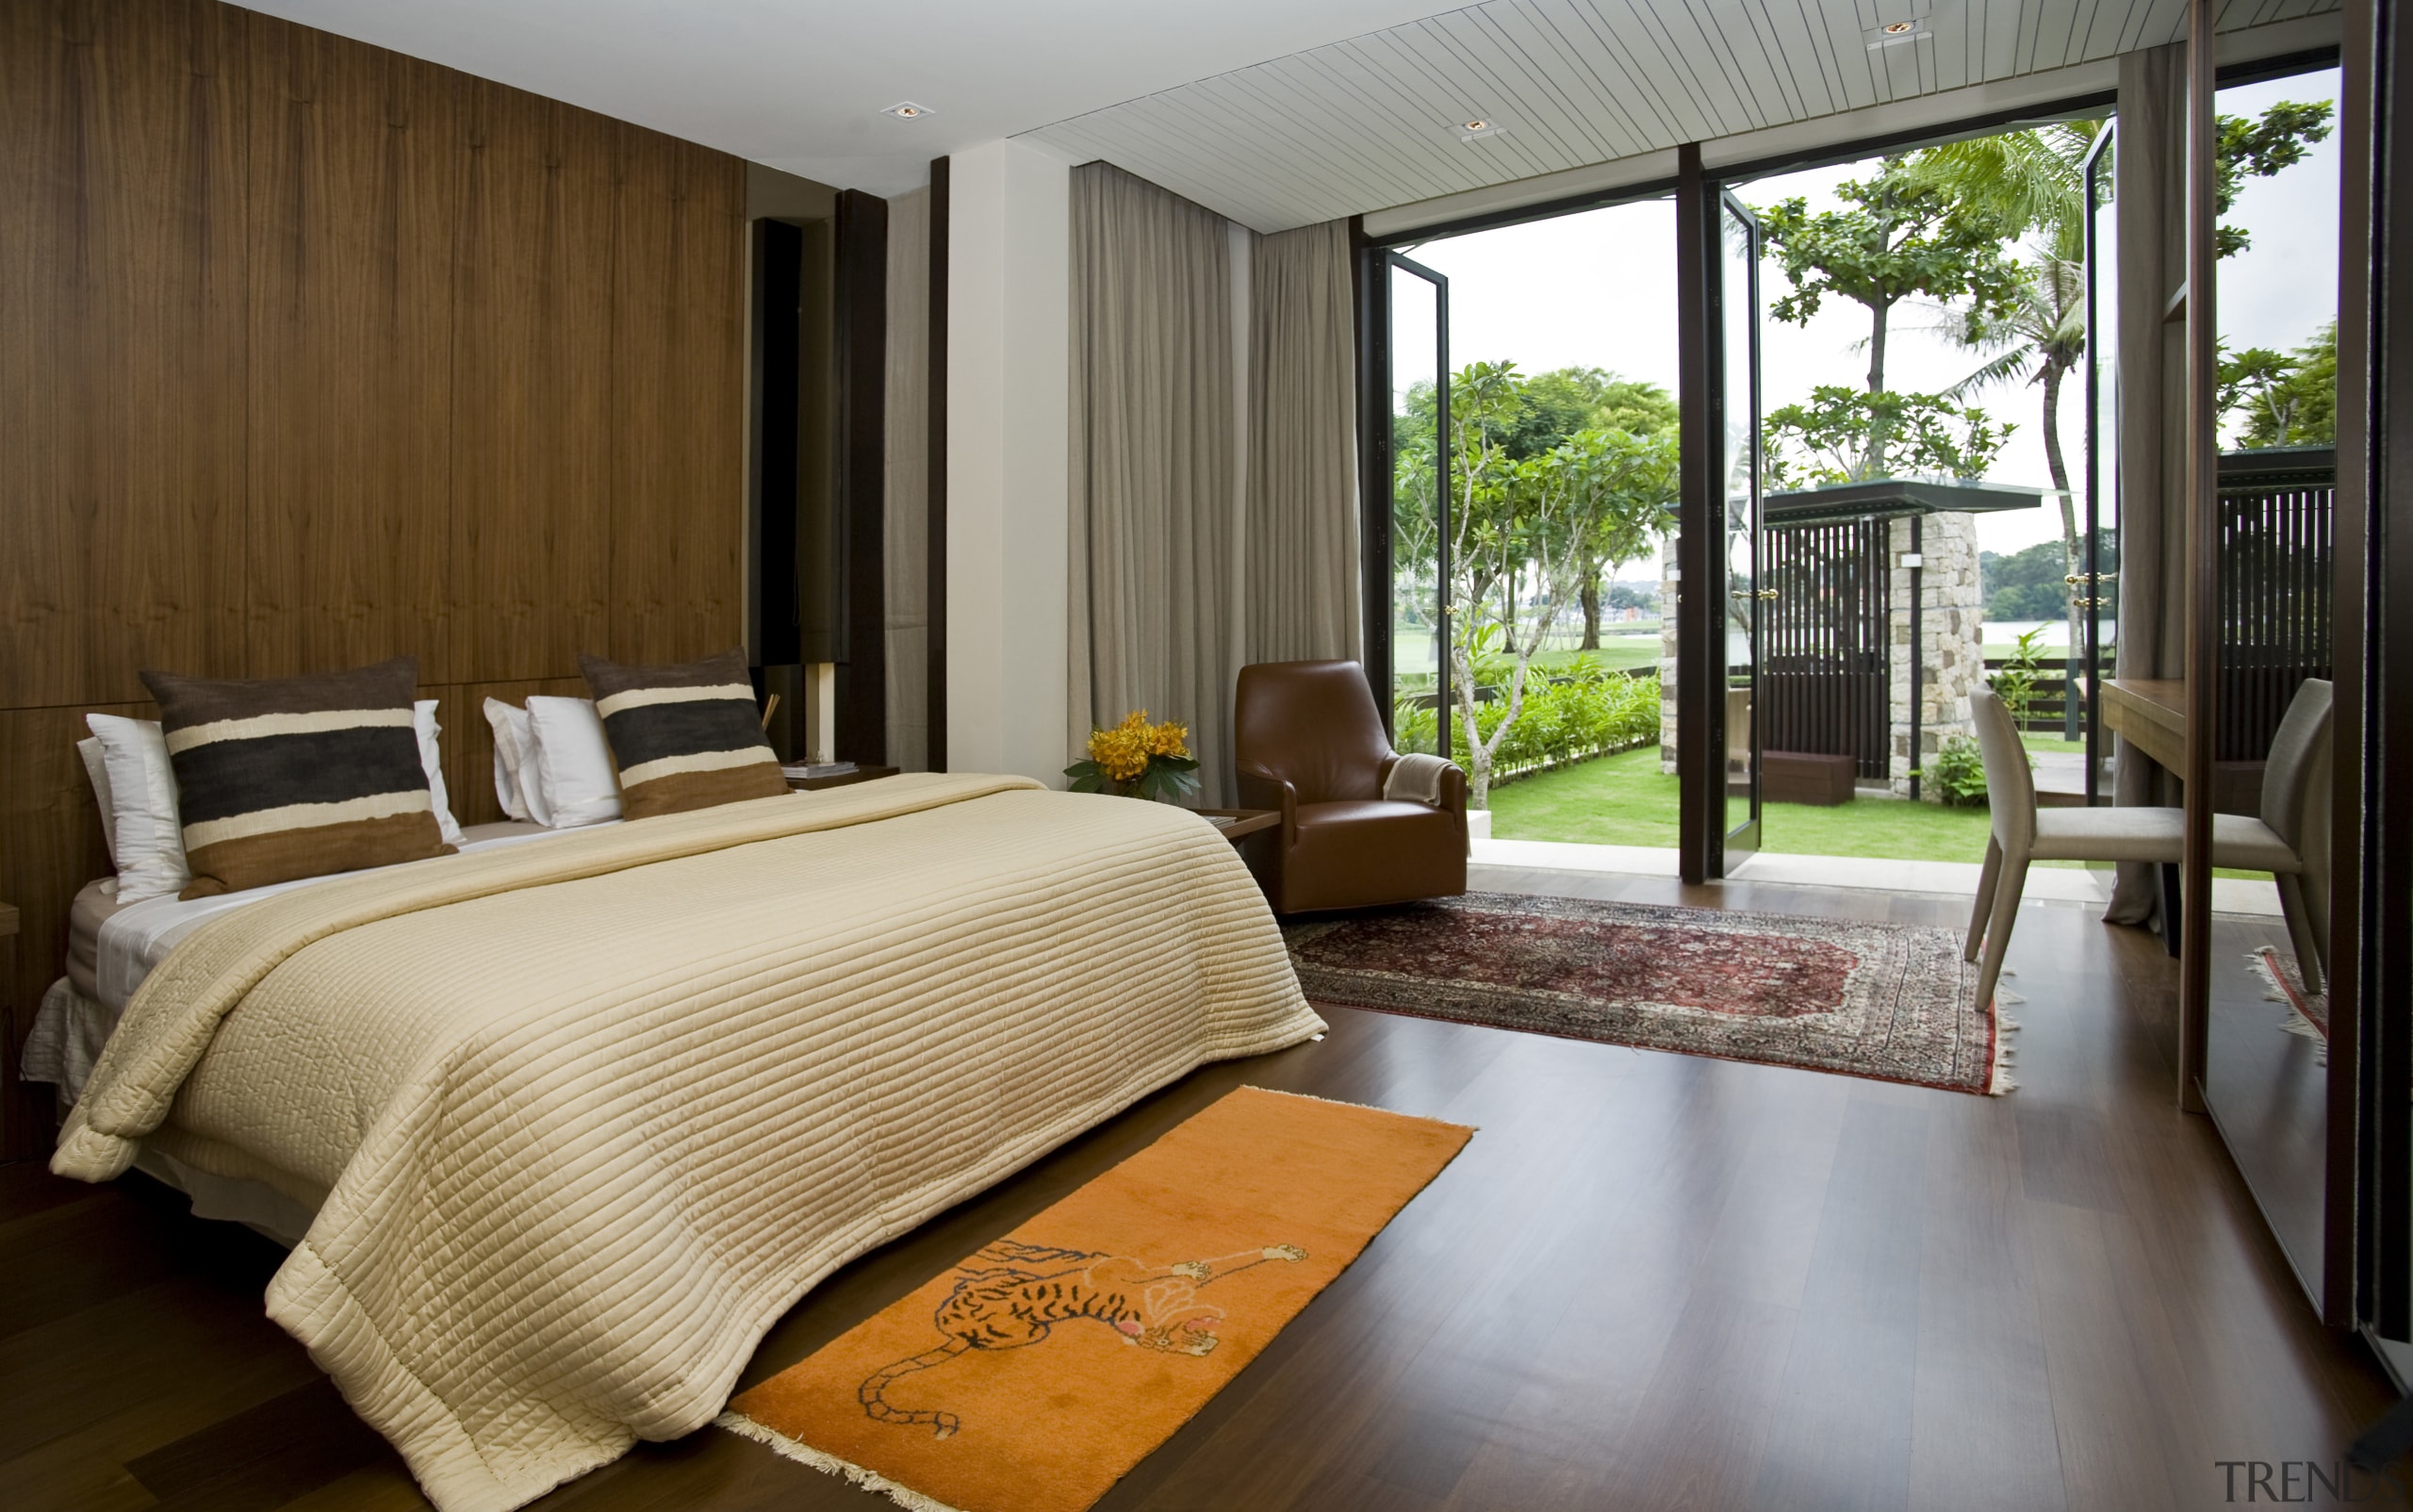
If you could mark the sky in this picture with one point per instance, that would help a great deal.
(1598, 290)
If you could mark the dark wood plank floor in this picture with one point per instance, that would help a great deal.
(1650, 1281)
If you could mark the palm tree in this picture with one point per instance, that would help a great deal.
(2031, 180)
(2024, 179)
(2035, 180)
(2042, 337)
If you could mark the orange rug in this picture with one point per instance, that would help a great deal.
(1037, 1372)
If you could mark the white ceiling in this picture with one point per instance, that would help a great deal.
(1274, 112)
(799, 84)
(1370, 122)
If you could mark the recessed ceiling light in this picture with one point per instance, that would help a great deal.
(1475, 127)
(907, 111)
(1478, 124)
(1899, 34)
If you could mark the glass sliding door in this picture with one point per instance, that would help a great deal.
(1419, 346)
(1738, 433)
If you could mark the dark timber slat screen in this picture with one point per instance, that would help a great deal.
(2274, 520)
(1827, 667)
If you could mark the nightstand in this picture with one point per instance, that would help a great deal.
(1237, 824)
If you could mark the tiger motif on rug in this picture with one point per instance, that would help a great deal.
(1011, 1295)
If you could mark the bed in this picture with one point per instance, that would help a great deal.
(574, 1120)
(112, 946)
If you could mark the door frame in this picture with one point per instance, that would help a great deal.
(1372, 270)
(2098, 160)
(1739, 842)
(1701, 583)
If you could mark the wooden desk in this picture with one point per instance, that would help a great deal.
(2152, 712)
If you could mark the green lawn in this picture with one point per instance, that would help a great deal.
(1623, 801)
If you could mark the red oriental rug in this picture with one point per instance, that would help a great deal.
(1887, 1001)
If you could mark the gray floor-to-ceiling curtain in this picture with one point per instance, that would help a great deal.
(906, 553)
(2150, 221)
(1152, 485)
(1302, 574)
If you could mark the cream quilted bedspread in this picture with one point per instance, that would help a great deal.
(590, 1114)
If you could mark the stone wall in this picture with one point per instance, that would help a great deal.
(1951, 629)
(1953, 663)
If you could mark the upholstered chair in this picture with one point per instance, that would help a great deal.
(1309, 744)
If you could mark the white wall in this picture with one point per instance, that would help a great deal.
(1009, 480)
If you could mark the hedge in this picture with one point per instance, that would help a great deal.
(1589, 714)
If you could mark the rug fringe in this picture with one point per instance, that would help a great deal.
(2000, 1081)
(870, 1480)
(2266, 964)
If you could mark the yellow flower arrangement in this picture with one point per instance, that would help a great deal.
(1135, 756)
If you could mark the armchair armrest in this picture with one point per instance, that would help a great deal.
(1454, 790)
(1261, 789)
(1449, 794)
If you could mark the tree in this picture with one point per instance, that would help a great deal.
(2287, 398)
(1624, 485)
(2035, 181)
(1511, 519)
(2027, 585)
(1898, 238)
(2043, 338)
(1913, 434)
(1549, 478)
(1634, 429)
(2258, 149)
(1631, 427)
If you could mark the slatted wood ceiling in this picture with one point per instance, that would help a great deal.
(1371, 122)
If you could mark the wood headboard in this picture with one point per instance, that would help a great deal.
(313, 355)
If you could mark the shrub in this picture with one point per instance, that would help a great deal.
(1591, 712)
(1959, 773)
(1414, 726)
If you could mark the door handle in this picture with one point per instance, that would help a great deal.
(1771, 593)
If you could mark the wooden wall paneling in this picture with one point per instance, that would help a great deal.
(468, 740)
(531, 386)
(121, 345)
(50, 846)
(353, 158)
(678, 484)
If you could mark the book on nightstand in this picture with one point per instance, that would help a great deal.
(795, 769)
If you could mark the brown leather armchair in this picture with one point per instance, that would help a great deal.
(1310, 744)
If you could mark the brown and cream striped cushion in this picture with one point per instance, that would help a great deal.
(684, 736)
(284, 777)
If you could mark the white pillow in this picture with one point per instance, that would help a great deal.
(96, 766)
(430, 760)
(572, 762)
(517, 793)
(150, 841)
